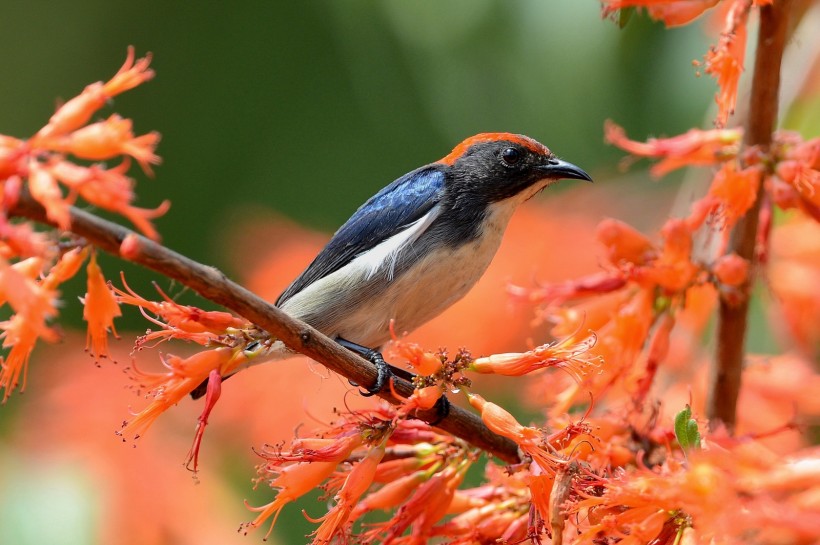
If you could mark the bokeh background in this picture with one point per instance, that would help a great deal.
(278, 119)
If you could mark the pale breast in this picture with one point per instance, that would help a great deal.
(357, 304)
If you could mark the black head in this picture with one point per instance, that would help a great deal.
(497, 166)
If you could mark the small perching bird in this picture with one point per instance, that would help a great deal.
(419, 244)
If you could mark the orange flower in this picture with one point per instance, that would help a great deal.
(423, 510)
(393, 493)
(724, 61)
(695, 147)
(169, 388)
(21, 240)
(735, 190)
(109, 189)
(424, 363)
(46, 191)
(530, 440)
(731, 270)
(76, 112)
(99, 310)
(296, 479)
(12, 155)
(804, 178)
(624, 243)
(656, 353)
(565, 354)
(180, 321)
(673, 270)
(66, 267)
(293, 482)
(106, 140)
(356, 484)
(33, 305)
(671, 12)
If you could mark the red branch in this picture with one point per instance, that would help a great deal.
(724, 386)
(213, 285)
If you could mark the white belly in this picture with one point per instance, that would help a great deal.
(333, 305)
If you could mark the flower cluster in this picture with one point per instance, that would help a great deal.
(724, 61)
(382, 461)
(33, 263)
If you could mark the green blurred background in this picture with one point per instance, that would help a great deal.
(309, 107)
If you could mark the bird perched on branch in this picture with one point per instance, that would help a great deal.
(419, 244)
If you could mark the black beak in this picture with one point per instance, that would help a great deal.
(558, 169)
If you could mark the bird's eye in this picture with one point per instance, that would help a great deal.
(511, 156)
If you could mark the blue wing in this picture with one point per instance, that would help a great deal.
(386, 213)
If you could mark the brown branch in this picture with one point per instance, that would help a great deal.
(724, 385)
(215, 286)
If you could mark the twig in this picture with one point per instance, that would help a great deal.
(213, 285)
(724, 386)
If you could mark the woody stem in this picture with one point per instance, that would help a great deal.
(213, 285)
(724, 384)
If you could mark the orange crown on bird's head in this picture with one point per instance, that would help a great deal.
(526, 141)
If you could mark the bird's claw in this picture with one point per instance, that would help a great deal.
(442, 408)
(383, 374)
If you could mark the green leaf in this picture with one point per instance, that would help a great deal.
(693, 435)
(686, 430)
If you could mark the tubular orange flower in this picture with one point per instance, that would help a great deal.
(76, 112)
(33, 305)
(673, 270)
(99, 310)
(424, 363)
(46, 191)
(66, 267)
(423, 510)
(564, 354)
(593, 284)
(212, 393)
(671, 12)
(656, 353)
(624, 243)
(731, 270)
(293, 482)
(356, 484)
(695, 147)
(317, 449)
(169, 388)
(724, 61)
(392, 493)
(801, 176)
(108, 139)
(310, 470)
(12, 155)
(531, 440)
(735, 190)
(180, 321)
(109, 189)
(21, 240)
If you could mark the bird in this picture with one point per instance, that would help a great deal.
(418, 245)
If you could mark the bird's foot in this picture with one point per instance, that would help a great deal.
(442, 408)
(384, 371)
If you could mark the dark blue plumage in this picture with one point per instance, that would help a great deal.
(385, 214)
